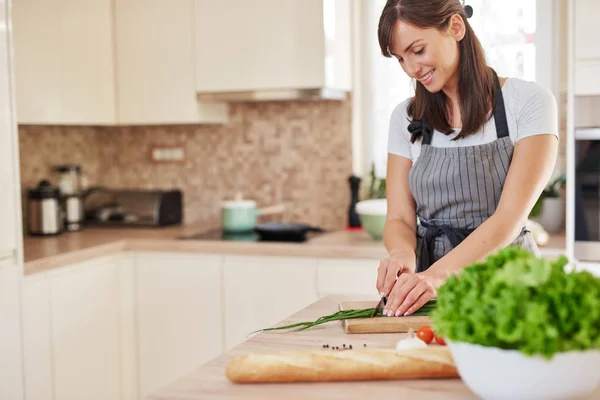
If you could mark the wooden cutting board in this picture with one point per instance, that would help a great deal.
(379, 324)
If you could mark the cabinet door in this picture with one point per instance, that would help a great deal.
(64, 62)
(87, 56)
(37, 49)
(179, 309)
(11, 366)
(236, 52)
(586, 78)
(127, 324)
(85, 331)
(261, 291)
(347, 276)
(10, 225)
(37, 338)
(586, 30)
(156, 64)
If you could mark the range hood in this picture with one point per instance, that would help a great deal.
(274, 95)
(273, 50)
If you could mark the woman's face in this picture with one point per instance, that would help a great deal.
(427, 55)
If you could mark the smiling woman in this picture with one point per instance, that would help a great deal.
(521, 39)
(469, 154)
(426, 49)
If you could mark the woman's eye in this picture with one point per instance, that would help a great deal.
(420, 51)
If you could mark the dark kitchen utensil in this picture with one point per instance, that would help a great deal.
(285, 231)
(379, 306)
(353, 219)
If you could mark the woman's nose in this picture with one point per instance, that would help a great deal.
(412, 69)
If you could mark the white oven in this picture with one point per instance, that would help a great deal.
(587, 195)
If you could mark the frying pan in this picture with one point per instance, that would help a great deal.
(284, 231)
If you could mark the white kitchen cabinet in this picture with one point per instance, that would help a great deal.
(37, 338)
(587, 49)
(347, 276)
(156, 65)
(586, 30)
(11, 364)
(86, 345)
(179, 315)
(78, 331)
(586, 77)
(261, 291)
(11, 356)
(272, 45)
(10, 209)
(64, 62)
(127, 326)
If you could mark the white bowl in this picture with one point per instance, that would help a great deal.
(372, 215)
(372, 207)
(497, 374)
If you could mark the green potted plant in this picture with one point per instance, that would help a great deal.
(377, 186)
(373, 209)
(549, 210)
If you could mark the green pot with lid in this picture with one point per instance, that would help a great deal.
(238, 216)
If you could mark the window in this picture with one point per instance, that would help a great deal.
(507, 30)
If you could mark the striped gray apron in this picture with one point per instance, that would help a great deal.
(457, 189)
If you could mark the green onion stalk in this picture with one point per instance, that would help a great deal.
(344, 315)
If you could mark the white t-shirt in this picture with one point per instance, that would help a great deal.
(530, 110)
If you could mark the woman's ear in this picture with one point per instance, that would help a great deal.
(457, 27)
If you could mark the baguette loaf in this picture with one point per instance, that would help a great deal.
(347, 365)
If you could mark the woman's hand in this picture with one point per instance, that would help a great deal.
(410, 292)
(389, 270)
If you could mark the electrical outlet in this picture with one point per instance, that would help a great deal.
(168, 154)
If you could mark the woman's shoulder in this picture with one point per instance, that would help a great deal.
(532, 106)
(399, 137)
(522, 92)
(400, 112)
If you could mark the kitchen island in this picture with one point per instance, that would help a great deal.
(162, 307)
(210, 382)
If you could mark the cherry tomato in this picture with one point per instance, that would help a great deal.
(425, 334)
(440, 340)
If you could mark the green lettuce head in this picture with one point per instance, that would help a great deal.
(518, 301)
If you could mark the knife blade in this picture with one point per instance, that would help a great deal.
(379, 306)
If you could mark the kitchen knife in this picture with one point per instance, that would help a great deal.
(379, 306)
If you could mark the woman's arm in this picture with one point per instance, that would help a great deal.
(399, 234)
(533, 161)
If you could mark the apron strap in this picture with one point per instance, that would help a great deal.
(427, 135)
(499, 115)
(425, 253)
(500, 111)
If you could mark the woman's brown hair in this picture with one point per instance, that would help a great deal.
(476, 86)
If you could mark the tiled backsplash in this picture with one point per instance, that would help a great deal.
(296, 152)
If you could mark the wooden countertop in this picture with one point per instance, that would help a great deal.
(209, 380)
(45, 253)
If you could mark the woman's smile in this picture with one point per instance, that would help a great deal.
(427, 79)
